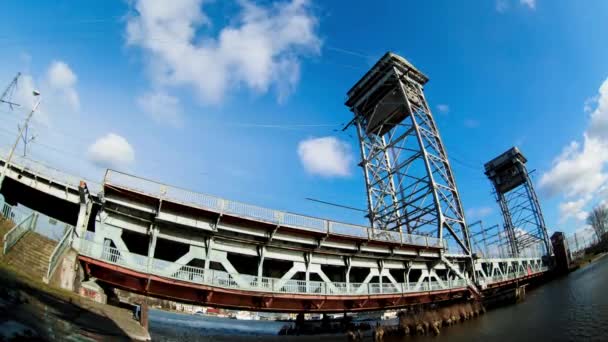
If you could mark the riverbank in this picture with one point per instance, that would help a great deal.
(33, 310)
(588, 259)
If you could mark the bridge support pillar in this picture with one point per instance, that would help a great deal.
(347, 263)
(307, 257)
(152, 245)
(261, 254)
(143, 319)
(208, 248)
(84, 213)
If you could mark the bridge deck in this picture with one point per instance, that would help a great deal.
(305, 224)
(148, 275)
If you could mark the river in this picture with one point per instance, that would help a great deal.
(572, 308)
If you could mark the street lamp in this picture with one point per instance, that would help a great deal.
(21, 129)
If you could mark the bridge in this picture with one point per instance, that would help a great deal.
(156, 239)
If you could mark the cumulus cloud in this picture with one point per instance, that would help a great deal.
(326, 156)
(111, 151)
(598, 127)
(580, 171)
(63, 80)
(471, 123)
(443, 108)
(504, 5)
(260, 49)
(573, 209)
(479, 213)
(161, 107)
(531, 4)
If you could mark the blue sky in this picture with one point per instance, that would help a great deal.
(243, 100)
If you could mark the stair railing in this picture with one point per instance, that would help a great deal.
(62, 246)
(17, 232)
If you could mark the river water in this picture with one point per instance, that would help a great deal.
(573, 308)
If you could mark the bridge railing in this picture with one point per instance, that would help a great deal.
(42, 170)
(514, 275)
(246, 282)
(220, 205)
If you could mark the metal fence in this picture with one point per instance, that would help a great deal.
(220, 205)
(514, 275)
(63, 245)
(17, 232)
(44, 171)
(223, 279)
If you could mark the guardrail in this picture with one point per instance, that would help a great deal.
(245, 282)
(220, 205)
(17, 232)
(57, 176)
(61, 247)
(514, 275)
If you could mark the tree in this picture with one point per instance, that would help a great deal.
(598, 220)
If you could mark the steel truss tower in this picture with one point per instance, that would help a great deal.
(410, 184)
(523, 219)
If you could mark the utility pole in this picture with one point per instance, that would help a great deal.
(12, 151)
(6, 91)
(26, 140)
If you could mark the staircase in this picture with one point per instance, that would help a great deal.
(30, 254)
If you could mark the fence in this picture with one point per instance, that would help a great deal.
(61, 247)
(220, 205)
(514, 275)
(17, 232)
(223, 279)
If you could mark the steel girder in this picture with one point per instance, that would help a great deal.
(410, 184)
(523, 218)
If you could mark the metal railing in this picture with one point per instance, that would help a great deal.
(246, 282)
(57, 176)
(61, 247)
(514, 275)
(220, 205)
(15, 214)
(17, 232)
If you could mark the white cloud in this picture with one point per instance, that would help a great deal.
(502, 5)
(471, 123)
(63, 80)
(161, 107)
(598, 127)
(479, 213)
(443, 108)
(326, 156)
(111, 151)
(573, 209)
(578, 170)
(531, 4)
(260, 49)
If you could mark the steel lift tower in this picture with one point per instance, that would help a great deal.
(410, 184)
(523, 219)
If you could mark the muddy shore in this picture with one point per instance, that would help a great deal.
(31, 310)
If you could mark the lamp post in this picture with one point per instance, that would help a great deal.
(21, 129)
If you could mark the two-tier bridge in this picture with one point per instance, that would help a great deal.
(155, 239)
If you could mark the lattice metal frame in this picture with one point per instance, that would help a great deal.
(410, 184)
(524, 223)
(523, 219)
